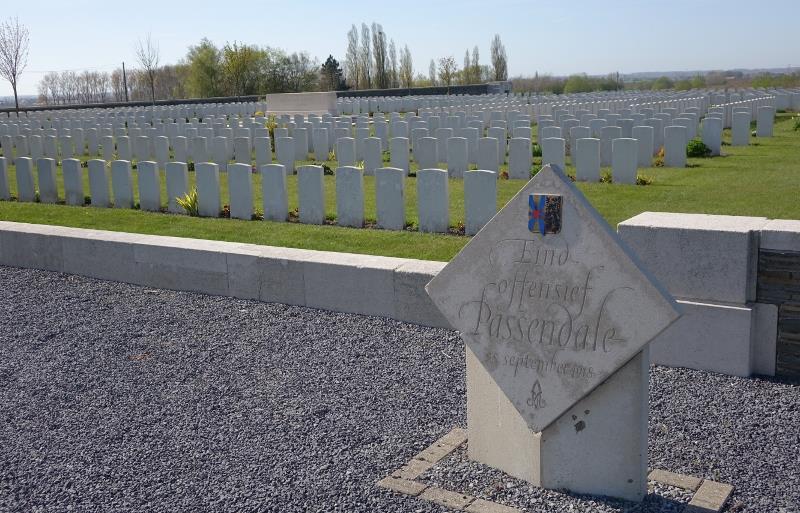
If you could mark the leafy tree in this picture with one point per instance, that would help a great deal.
(499, 59)
(331, 75)
(578, 84)
(205, 70)
(683, 84)
(241, 65)
(662, 83)
(698, 82)
(447, 70)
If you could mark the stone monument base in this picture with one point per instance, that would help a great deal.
(599, 446)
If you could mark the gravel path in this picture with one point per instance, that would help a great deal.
(121, 398)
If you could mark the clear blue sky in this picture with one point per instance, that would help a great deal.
(556, 37)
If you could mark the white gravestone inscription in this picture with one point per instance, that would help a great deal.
(549, 299)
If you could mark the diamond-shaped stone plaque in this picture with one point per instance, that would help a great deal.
(549, 299)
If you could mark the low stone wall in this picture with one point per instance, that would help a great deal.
(370, 285)
(779, 285)
(737, 280)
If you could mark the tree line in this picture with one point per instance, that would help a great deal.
(371, 63)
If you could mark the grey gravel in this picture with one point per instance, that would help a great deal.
(121, 398)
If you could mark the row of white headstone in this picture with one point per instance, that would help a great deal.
(432, 190)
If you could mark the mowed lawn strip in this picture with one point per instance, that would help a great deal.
(762, 179)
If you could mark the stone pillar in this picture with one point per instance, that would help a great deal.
(587, 160)
(433, 206)
(480, 199)
(610, 424)
(73, 182)
(390, 197)
(311, 194)
(122, 183)
(240, 188)
(624, 153)
(99, 183)
(350, 196)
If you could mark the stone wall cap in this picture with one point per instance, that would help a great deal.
(781, 235)
(707, 222)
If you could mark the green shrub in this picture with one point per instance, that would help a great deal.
(697, 149)
(189, 203)
(537, 150)
(796, 126)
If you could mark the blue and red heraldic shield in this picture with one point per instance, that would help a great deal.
(544, 213)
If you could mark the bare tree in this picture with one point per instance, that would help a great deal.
(466, 71)
(14, 40)
(351, 63)
(380, 56)
(147, 54)
(447, 70)
(393, 72)
(499, 60)
(475, 66)
(406, 68)
(365, 58)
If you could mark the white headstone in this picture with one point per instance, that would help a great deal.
(390, 197)
(73, 182)
(240, 188)
(311, 194)
(99, 183)
(273, 189)
(350, 196)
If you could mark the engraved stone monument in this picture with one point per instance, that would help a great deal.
(556, 314)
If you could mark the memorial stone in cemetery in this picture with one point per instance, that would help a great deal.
(557, 316)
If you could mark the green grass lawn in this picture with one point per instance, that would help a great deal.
(760, 180)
